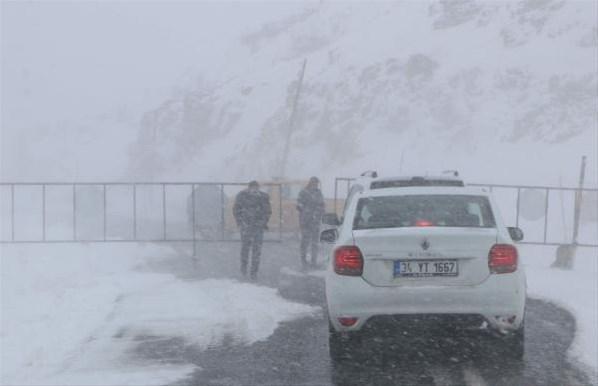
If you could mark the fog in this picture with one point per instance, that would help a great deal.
(204, 91)
(69, 61)
(81, 75)
(129, 131)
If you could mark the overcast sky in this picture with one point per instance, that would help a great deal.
(65, 64)
(64, 61)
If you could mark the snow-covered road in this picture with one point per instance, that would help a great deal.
(146, 314)
(73, 314)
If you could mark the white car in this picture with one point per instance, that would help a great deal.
(424, 250)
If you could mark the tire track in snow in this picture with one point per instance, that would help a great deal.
(95, 336)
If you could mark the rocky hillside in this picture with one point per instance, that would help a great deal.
(410, 86)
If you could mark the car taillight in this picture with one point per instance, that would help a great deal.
(347, 321)
(502, 258)
(423, 223)
(348, 261)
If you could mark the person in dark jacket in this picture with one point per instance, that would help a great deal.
(310, 205)
(252, 212)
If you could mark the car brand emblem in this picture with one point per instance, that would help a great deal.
(425, 244)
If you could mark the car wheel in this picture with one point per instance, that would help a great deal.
(513, 344)
(343, 345)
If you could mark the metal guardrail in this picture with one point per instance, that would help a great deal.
(517, 189)
(224, 223)
(225, 230)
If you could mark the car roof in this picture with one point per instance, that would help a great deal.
(426, 190)
(408, 181)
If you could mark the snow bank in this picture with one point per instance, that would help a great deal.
(207, 312)
(72, 314)
(575, 290)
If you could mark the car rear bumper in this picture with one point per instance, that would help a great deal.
(499, 300)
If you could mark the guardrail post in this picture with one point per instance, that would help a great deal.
(222, 210)
(517, 212)
(12, 211)
(44, 212)
(335, 195)
(134, 212)
(193, 210)
(74, 212)
(164, 211)
(104, 199)
(547, 192)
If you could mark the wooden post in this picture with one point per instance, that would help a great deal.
(578, 199)
(565, 253)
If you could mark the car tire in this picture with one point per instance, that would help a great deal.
(343, 345)
(513, 344)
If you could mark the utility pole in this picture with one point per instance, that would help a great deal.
(292, 118)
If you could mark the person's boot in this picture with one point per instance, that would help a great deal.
(253, 276)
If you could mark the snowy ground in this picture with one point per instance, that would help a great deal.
(71, 313)
(575, 290)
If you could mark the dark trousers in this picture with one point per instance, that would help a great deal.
(310, 237)
(251, 238)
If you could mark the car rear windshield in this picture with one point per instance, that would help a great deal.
(423, 210)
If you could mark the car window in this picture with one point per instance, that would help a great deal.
(424, 210)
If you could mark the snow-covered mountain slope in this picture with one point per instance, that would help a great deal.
(482, 87)
(503, 91)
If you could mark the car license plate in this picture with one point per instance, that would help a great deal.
(424, 268)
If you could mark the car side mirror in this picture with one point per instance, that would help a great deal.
(331, 219)
(515, 233)
(329, 235)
